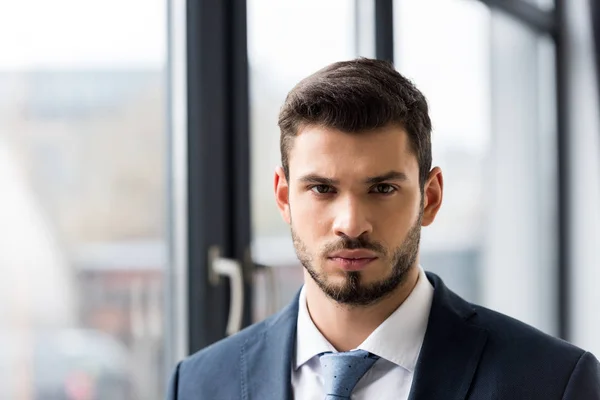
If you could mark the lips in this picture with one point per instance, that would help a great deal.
(352, 260)
(353, 254)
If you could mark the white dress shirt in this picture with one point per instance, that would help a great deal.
(397, 341)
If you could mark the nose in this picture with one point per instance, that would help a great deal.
(351, 219)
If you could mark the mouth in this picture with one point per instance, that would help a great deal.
(352, 260)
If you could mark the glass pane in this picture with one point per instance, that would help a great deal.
(584, 177)
(82, 232)
(281, 52)
(459, 95)
(520, 250)
(493, 136)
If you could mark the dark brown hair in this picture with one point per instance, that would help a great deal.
(356, 96)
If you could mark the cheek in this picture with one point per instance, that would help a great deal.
(299, 208)
(394, 220)
(309, 217)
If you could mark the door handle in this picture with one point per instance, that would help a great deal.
(232, 269)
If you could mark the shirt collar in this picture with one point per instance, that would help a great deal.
(309, 340)
(398, 339)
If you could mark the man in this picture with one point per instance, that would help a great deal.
(355, 186)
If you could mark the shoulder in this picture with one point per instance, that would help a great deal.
(224, 354)
(524, 362)
(207, 370)
(515, 355)
(216, 371)
(505, 334)
(511, 335)
(222, 358)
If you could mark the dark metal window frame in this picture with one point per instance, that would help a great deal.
(218, 149)
(384, 30)
(218, 160)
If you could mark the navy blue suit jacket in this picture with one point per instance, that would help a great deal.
(469, 352)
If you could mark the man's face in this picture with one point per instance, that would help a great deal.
(355, 209)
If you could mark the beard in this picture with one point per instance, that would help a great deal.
(353, 292)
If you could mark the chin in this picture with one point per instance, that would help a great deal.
(374, 273)
(365, 277)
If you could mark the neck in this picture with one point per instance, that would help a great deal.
(346, 327)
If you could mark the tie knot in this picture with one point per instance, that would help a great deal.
(342, 371)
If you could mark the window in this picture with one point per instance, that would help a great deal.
(487, 79)
(82, 176)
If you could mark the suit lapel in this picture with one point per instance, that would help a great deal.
(451, 349)
(266, 361)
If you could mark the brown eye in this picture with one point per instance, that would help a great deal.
(384, 188)
(322, 189)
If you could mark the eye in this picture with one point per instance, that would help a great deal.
(322, 189)
(384, 188)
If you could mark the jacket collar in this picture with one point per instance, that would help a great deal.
(451, 349)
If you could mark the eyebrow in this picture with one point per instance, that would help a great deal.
(390, 176)
(373, 180)
(320, 180)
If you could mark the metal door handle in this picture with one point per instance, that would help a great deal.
(232, 269)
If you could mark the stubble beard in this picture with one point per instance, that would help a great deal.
(353, 292)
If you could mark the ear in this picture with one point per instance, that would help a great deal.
(282, 194)
(433, 192)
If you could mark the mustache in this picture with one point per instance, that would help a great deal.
(348, 243)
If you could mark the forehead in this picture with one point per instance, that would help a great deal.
(331, 152)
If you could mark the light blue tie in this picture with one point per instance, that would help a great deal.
(342, 371)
